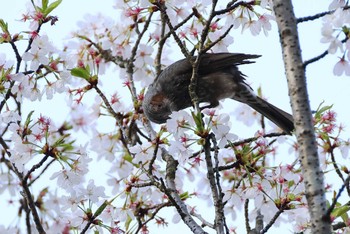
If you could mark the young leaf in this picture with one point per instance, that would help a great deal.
(101, 208)
(3, 26)
(339, 211)
(44, 4)
(52, 6)
(29, 118)
(80, 72)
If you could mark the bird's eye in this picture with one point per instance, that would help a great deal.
(158, 106)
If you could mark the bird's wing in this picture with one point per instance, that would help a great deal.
(220, 61)
(209, 63)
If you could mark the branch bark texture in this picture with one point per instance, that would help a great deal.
(295, 72)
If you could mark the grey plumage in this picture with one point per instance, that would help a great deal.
(218, 78)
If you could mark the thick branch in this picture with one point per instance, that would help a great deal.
(181, 207)
(313, 176)
(28, 196)
(215, 190)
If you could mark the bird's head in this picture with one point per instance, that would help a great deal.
(156, 107)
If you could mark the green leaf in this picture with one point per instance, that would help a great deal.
(29, 118)
(325, 108)
(321, 109)
(339, 211)
(345, 217)
(52, 6)
(4, 26)
(291, 183)
(197, 117)
(128, 222)
(67, 147)
(101, 208)
(60, 141)
(128, 158)
(80, 72)
(184, 195)
(44, 4)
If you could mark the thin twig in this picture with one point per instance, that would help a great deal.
(217, 198)
(130, 66)
(18, 56)
(228, 166)
(27, 211)
(273, 219)
(326, 216)
(318, 15)
(110, 109)
(36, 166)
(245, 141)
(231, 7)
(339, 226)
(158, 60)
(153, 159)
(315, 59)
(172, 30)
(87, 226)
(218, 182)
(29, 198)
(204, 222)
(32, 181)
(259, 222)
(336, 168)
(118, 117)
(155, 211)
(246, 216)
(207, 48)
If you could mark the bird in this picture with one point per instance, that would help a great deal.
(218, 78)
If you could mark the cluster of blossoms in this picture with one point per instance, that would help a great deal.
(249, 177)
(134, 165)
(40, 143)
(334, 27)
(271, 189)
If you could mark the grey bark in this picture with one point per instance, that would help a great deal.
(295, 72)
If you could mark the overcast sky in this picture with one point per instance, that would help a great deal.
(268, 71)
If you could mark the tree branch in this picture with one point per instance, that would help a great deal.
(171, 167)
(214, 182)
(331, 207)
(313, 176)
(29, 198)
(317, 16)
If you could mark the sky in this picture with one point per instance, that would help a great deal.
(267, 71)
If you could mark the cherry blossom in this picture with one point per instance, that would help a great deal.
(221, 127)
(246, 115)
(143, 153)
(179, 123)
(344, 149)
(265, 22)
(93, 193)
(106, 132)
(341, 67)
(222, 45)
(336, 4)
(180, 151)
(82, 119)
(21, 153)
(4, 63)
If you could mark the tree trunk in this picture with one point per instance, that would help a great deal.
(295, 72)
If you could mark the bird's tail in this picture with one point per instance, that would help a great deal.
(281, 118)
